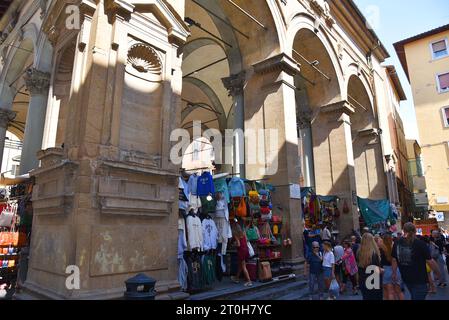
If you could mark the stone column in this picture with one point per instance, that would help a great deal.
(334, 160)
(6, 116)
(235, 86)
(270, 105)
(305, 131)
(37, 83)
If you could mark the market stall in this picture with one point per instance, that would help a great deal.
(211, 209)
(321, 210)
(16, 214)
(379, 216)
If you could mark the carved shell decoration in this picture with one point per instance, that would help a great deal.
(144, 59)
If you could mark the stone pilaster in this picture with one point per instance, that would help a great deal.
(270, 104)
(334, 160)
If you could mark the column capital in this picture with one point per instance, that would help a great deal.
(235, 83)
(304, 119)
(280, 62)
(6, 116)
(36, 81)
(338, 107)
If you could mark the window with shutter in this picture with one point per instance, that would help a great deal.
(446, 116)
(443, 82)
(440, 49)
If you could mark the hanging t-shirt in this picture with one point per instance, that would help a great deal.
(221, 209)
(183, 194)
(194, 233)
(210, 234)
(192, 183)
(205, 184)
(221, 186)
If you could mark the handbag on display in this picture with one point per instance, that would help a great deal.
(241, 209)
(266, 217)
(252, 234)
(264, 241)
(265, 272)
(254, 196)
(264, 203)
(6, 217)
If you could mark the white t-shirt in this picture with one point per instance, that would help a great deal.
(328, 259)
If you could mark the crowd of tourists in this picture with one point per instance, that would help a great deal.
(378, 266)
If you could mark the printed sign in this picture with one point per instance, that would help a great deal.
(295, 191)
(439, 216)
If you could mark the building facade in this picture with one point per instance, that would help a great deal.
(394, 142)
(417, 180)
(95, 89)
(425, 58)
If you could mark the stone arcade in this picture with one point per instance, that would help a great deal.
(95, 107)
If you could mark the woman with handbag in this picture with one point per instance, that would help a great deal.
(350, 266)
(242, 255)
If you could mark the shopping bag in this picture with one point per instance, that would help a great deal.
(6, 217)
(334, 288)
(250, 249)
(241, 209)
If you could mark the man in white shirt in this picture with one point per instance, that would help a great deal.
(326, 234)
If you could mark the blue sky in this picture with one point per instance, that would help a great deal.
(395, 20)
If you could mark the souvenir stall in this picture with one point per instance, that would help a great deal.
(380, 216)
(320, 210)
(16, 214)
(212, 208)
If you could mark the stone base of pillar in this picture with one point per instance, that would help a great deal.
(296, 264)
(166, 290)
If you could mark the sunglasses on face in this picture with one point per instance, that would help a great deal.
(316, 247)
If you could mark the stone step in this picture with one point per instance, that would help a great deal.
(235, 292)
(275, 293)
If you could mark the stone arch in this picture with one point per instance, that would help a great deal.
(20, 53)
(304, 21)
(216, 104)
(353, 71)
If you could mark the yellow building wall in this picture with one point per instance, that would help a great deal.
(428, 101)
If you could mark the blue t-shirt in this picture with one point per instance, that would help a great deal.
(205, 185)
(315, 263)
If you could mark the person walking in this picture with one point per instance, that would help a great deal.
(350, 269)
(328, 267)
(446, 252)
(431, 282)
(392, 289)
(339, 266)
(410, 256)
(242, 254)
(326, 234)
(369, 261)
(438, 240)
(313, 270)
(355, 245)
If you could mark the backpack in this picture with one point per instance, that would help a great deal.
(404, 254)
